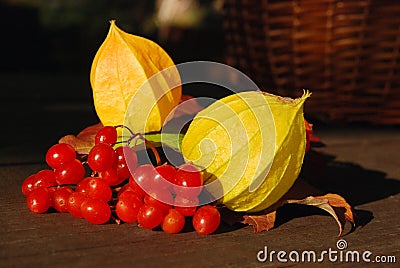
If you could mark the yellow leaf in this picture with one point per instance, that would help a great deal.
(121, 70)
(251, 146)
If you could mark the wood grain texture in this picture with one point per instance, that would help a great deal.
(59, 240)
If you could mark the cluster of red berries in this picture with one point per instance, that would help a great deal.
(152, 196)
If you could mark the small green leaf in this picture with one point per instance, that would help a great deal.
(171, 140)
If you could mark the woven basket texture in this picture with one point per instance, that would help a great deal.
(347, 53)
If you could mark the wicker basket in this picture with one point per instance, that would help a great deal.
(346, 52)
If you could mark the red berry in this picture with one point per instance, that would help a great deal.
(83, 186)
(128, 206)
(173, 222)
(101, 157)
(126, 161)
(136, 188)
(111, 177)
(188, 181)
(59, 154)
(99, 188)
(60, 198)
(75, 201)
(186, 205)
(107, 134)
(166, 175)
(95, 211)
(95, 188)
(70, 172)
(150, 216)
(144, 176)
(45, 178)
(39, 200)
(161, 198)
(206, 220)
(28, 184)
(126, 188)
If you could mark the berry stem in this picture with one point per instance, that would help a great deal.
(82, 157)
(148, 143)
(123, 126)
(116, 220)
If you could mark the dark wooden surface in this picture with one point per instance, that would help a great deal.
(361, 163)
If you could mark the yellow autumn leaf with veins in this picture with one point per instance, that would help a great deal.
(251, 146)
(120, 71)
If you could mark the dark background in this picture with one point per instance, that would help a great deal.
(47, 50)
(63, 36)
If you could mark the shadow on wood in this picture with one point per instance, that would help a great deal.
(353, 182)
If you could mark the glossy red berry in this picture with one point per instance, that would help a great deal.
(126, 161)
(160, 197)
(165, 177)
(150, 216)
(188, 181)
(59, 154)
(75, 201)
(101, 157)
(95, 187)
(186, 205)
(206, 220)
(111, 177)
(95, 211)
(125, 188)
(144, 177)
(128, 206)
(136, 188)
(70, 172)
(39, 200)
(28, 184)
(173, 222)
(45, 178)
(60, 198)
(107, 134)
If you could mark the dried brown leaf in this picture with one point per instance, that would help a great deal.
(336, 200)
(334, 204)
(261, 222)
(328, 203)
(84, 141)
